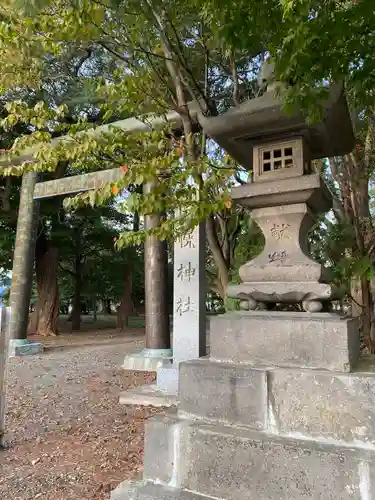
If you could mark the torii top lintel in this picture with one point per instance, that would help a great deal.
(94, 180)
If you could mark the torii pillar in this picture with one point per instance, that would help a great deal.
(22, 273)
(157, 352)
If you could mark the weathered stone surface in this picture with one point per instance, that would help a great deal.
(23, 347)
(285, 210)
(5, 313)
(147, 395)
(232, 464)
(158, 463)
(189, 313)
(283, 292)
(282, 259)
(241, 127)
(319, 340)
(167, 378)
(166, 442)
(129, 490)
(223, 391)
(148, 360)
(320, 405)
(309, 189)
(189, 305)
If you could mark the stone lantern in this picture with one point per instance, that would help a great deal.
(285, 194)
(273, 413)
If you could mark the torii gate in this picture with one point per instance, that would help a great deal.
(157, 318)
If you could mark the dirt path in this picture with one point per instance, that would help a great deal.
(68, 437)
(96, 337)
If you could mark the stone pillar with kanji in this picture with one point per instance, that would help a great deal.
(189, 306)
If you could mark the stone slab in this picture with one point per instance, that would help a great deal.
(322, 405)
(288, 292)
(229, 463)
(127, 490)
(143, 490)
(167, 379)
(166, 444)
(224, 392)
(146, 361)
(26, 348)
(319, 340)
(147, 395)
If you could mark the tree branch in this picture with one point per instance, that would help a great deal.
(180, 54)
(217, 254)
(69, 271)
(236, 89)
(82, 60)
(233, 235)
(114, 52)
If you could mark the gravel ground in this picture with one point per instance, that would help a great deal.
(67, 436)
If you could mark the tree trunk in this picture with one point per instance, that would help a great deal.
(353, 176)
(356, 297)
(33, 321)
(95, 310)
(222, 278)
(76, 312)
(108, 309)
(187, 123)
(126, 307)
(47, 307)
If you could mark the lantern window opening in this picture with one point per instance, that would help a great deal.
(277, 158)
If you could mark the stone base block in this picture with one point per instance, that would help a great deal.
(143, 490)
(309, 404)
(324, 406)
(320, 341)
(147, 395)
(148, 360)
(235, 463)
(167, 379)
(224, 392)
(19, 347)
(166, 440)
